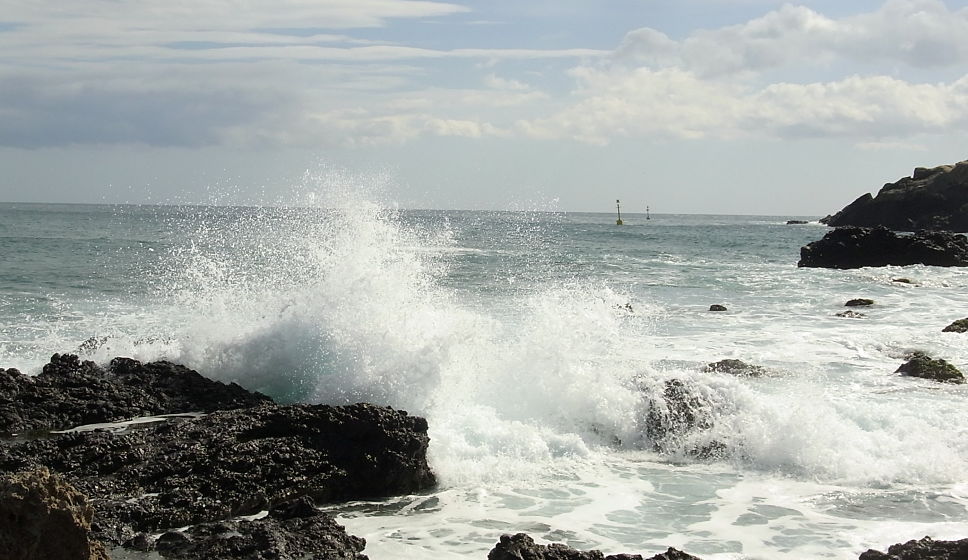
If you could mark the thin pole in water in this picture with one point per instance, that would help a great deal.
(647, 213)
(618, 206)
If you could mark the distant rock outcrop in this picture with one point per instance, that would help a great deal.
(935, 198)
(857, 247)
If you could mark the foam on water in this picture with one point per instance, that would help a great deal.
(539, 394)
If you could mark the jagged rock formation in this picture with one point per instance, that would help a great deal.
(856, 247)
(959, 326)
(523, 547)
(734, 367)
(924, 549)
(42, 517)
(70, 393)
(935, 198)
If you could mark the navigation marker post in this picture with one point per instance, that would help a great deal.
(618, 206)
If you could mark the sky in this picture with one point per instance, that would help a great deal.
(685, 106)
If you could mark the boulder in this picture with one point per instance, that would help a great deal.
(796, 222)
(231, 463)
(293, 530)
(961, 325)
(734, 367)
(856, 247)
(932, 198)
(859, 302)
(921, 365)
(42, 517)
(717, 307)
(523, 547)
(924, 549)
(68, 393)
(680, 412)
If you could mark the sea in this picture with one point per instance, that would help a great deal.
(540, 346)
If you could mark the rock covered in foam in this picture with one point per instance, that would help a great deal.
(70, 392)
(924, 549)
(856, 247)
(523, 547)
(44, 517)
(734, 367)
(236, 462)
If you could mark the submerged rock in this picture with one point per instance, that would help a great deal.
(959, 326)
(680, 413)
(932, 198)
(523, 547)
(859, 302)
(42, 517)
(856, 247)
(921, 365)
(233, 463)
(924, 549)
(717, 307)
(734, 367)
(292, 531)
(851, 314)
(796, 222)
(69, 393)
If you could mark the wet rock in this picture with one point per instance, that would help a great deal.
(796, 222)
(932, 198)
(851, 314)
(292, 531)
(924, 549)
(523, 547)
(42, 517)
(922, 365)
(734, 367)
(717, 307)
(856, 247)
(902, 280)
(232, 463)
(859, 302)
(681, 412)
(70, 392)
(959, 326)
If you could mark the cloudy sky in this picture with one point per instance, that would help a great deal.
(700, 106)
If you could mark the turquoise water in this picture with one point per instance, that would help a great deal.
(536, 344)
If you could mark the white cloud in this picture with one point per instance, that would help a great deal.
(918, 33)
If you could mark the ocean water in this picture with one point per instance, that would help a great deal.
(538, 345)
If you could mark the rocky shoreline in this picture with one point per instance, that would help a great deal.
(239, 478)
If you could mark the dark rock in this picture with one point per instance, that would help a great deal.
(293, 531)
(921, 365)
(961, 325)
(69, 393)
(523, 547)
(859, 302)
(935, 198)
(850, 313)
(924, 549)
(902, 280)
(734, 367)
(717, 307)
(42, 517)
(232, 463)
(856, 247)
(796, 222)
